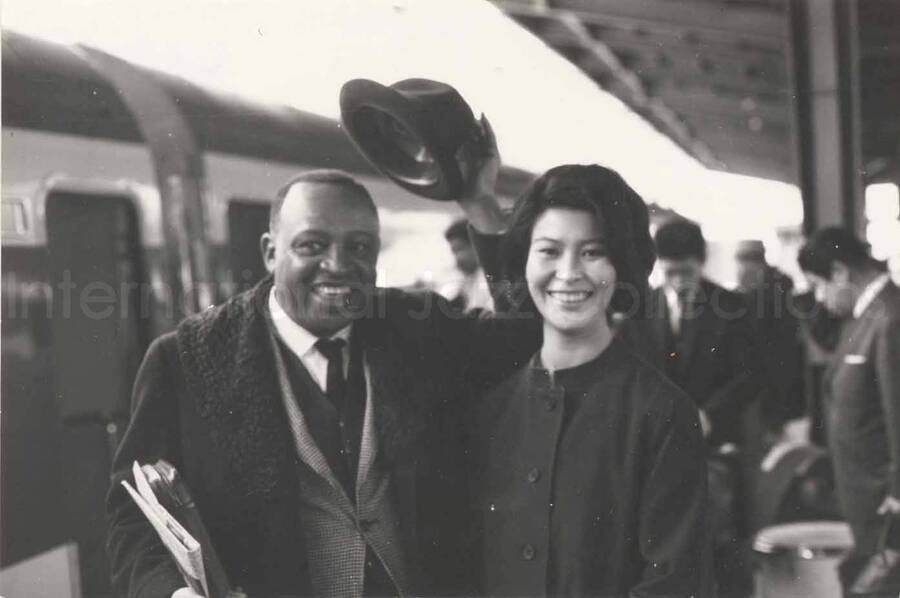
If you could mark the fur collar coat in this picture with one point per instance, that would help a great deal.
(207, 400)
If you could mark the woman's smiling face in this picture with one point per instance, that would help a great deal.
(569, 274)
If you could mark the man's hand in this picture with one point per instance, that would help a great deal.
(479, 162)
(890, 506)
(185, 593)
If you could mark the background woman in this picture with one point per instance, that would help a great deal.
(592, 469)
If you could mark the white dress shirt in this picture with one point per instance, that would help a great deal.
(674, 309)
(869, 293)
(302, 343)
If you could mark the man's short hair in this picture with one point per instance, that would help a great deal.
(459, 229)
(680, 239)
(326, 176)
(750, 250)
(833, 244)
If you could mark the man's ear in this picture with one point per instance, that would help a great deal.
(840, 273)
(267, 246)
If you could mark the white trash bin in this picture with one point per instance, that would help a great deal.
(800, 560)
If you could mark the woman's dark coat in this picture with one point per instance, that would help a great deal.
(600, 494)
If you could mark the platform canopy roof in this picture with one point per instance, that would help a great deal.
(716, 76)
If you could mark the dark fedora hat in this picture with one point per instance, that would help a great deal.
(411, 131)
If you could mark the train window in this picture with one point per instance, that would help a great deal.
(30, 428)
(13, 217)
(247, 221)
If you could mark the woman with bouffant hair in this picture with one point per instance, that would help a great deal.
(594, 190)
(592, 475)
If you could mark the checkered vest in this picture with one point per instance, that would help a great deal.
(337, 531)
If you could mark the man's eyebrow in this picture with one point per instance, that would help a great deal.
(311, 232)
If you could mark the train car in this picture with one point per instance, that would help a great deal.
(130, 198)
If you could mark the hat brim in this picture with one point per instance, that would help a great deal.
(361, 96)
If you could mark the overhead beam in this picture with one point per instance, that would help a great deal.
(666, 15)
(687, 68)
(667, 38)
(759, 165)
(653, 42)
(597, 60)
(704, 100)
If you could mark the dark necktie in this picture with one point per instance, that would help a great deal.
(335, 385)
(377, 581)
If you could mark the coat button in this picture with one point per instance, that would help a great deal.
(528, 552)
(534, 474)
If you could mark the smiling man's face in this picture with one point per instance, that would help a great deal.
(323, 253)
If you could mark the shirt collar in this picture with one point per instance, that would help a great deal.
(675, 300)
(869, 293)
(298, 339)
(671, 296)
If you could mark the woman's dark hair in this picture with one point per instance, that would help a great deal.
(603, 193)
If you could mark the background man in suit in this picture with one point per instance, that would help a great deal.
(862, 384)
(769, 298)
(470, 290)
(315, 417)
(703, 331)
(706, 341)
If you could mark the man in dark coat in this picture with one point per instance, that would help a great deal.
(777, 332)
(314, 418)
(706, 343)
(862, 383)
(703, 331)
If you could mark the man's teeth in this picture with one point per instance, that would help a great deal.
(569, 296)
(333, 290)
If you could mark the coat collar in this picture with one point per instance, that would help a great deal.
(869, 294)
(230, 370)
(854, 328)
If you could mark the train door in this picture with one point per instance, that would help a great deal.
(99, 336)
(96, 333)
(247, 221)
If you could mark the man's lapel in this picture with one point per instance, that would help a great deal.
(399, 394)
(230, 369)
(853, 330)
(696, 318)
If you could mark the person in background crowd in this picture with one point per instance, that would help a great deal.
(862, 383)
(315, 418)
(703, 331)
(471, 290)
(592, 467)
(707, 346)
(777, 332)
